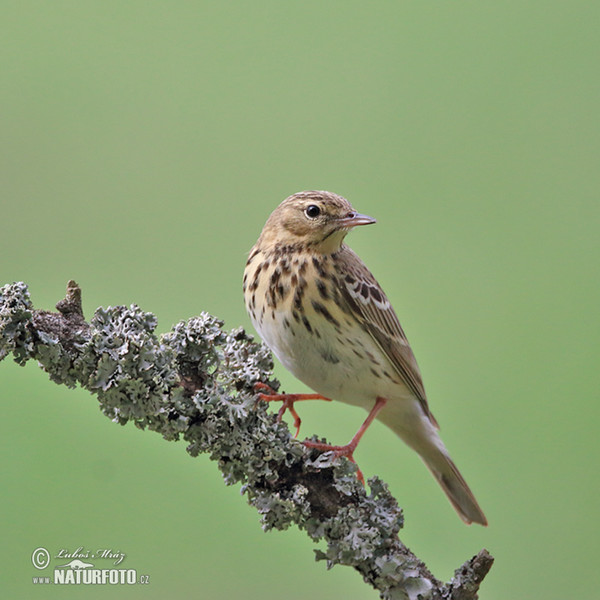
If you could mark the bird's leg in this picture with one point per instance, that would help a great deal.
(287, 401)
(348, 449)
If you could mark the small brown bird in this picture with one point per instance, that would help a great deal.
(323, 314)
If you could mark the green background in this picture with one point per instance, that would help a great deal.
(143, 146)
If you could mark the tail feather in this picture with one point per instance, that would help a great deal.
(455, 487)
(419, 431)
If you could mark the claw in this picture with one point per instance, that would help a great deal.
(287, 401)
(348, 449)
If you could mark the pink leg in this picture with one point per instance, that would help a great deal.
(287, 401)
(348, 449)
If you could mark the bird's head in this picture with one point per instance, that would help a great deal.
(319, 220)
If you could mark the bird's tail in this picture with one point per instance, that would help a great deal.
(456, 488)
(420, 433)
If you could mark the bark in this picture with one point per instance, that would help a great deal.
(196, 382)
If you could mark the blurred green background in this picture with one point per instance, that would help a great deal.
(143, 146)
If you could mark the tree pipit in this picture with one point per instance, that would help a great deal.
(323, 314)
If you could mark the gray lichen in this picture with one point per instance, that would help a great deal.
(197, 383)
(15, 317)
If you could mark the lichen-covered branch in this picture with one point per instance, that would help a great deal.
(197, 383)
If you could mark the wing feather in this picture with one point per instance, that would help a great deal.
(369, 304)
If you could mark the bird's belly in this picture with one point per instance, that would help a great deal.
(342, 363)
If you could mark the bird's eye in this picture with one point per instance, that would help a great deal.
(312, 211)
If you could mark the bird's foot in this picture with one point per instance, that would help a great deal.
(347, 451)
(270, 395)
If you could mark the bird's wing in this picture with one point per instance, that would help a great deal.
(369, 304)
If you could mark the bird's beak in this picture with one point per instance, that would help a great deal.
(353, 219)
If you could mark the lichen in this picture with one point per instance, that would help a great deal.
(15, 315)
(196, 382)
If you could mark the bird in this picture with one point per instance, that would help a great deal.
(325, 317)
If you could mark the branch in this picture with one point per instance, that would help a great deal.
(197, 383)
